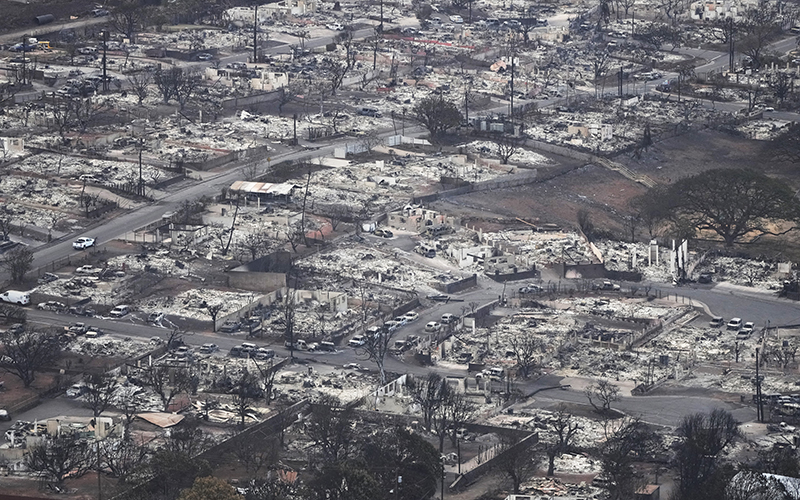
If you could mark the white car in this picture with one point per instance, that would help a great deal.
(357, 341)
(433, 326)
(83, 243)
(411, 316)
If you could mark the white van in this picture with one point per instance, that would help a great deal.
(120, 311)
(16, 297)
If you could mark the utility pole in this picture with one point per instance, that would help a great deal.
(255, 35)
(380, 26)
(24, 63)
(105, 48)
(760, 407)
(141, 181)
(730, 44)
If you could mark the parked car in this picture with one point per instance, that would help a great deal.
(83, 243)
(120, 311)
(47, 278)
(93, 333)
(357, 341)
(205, 56)
(716, 322)
(263, 353)
(748, 328)
(4, 415)
(230, 326)
(448, 318)
(51, 305)
(208, 348)
(411, 316)
(76, 390)
(433, 326)
(155, 317)
(734, 324)
(705, 278)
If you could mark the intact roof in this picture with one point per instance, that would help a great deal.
(162, 420)
(280, 189)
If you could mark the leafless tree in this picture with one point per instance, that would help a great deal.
(371, 140)
(781, 84)
(564, 430)
(139, 84)
(29, 352)
(99, 391)
(331, 428)
(599, 60)
(213, 311)
(245, 391)
(461, 410)
(336, 215)
(507, 146)
(166, 382)
(516, 462)
(601, 394)
(185, 87)
(527, 350)
(256, 456)
(428, 394)
(87, 111)
(18, 261)
(289, 93)
(626, 441)
(5, 227)
(255, 243)
(67, 455)
(10, 313)
(128, 18)
(122, 457)
(759, 27)
(376, 347)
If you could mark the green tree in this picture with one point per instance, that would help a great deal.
(210, 488)
(437, 114)
(732, 203)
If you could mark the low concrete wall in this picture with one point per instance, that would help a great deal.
(524, 275)
(460, 285)
(507, 181)
(253, 101)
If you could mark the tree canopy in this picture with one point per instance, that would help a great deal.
(437, 114)
(210, 488)
(732, 203)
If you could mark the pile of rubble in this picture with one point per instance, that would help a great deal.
(108, 347)
(368, 264)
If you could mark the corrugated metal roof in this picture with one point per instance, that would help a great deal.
(281, 189)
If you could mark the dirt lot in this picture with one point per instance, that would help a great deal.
(603, 192)
(606, 193)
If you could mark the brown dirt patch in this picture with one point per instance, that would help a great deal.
(603, 192)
